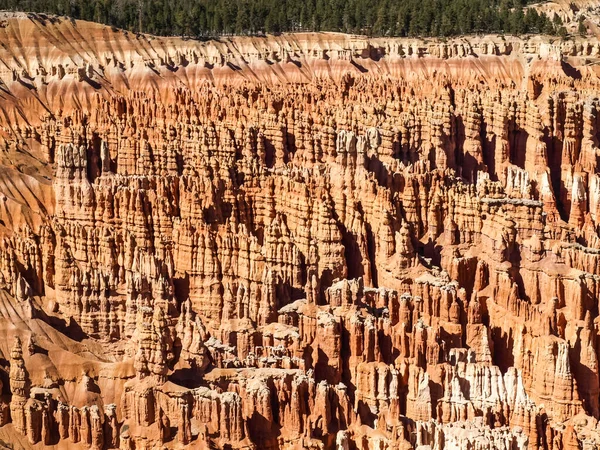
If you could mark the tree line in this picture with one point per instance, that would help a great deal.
(209, 18)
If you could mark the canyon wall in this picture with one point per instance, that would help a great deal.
(305, 241)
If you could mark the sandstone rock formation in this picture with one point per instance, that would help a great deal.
(302, 241)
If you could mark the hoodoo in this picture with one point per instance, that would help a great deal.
(301, 241)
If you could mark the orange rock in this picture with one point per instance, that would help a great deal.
(302, 241)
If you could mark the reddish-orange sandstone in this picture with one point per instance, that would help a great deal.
(304, 241)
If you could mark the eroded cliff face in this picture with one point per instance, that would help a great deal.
(303, 241)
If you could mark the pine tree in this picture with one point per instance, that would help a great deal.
(562, 32)
(582, 29)
(242, 22)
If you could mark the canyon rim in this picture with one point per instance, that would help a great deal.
(301, 241)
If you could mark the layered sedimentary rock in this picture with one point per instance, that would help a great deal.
(303, 241)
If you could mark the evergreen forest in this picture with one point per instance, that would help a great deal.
(211, 18)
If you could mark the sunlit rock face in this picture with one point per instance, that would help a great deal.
(303, 241)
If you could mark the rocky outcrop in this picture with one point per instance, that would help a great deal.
(303, 241)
